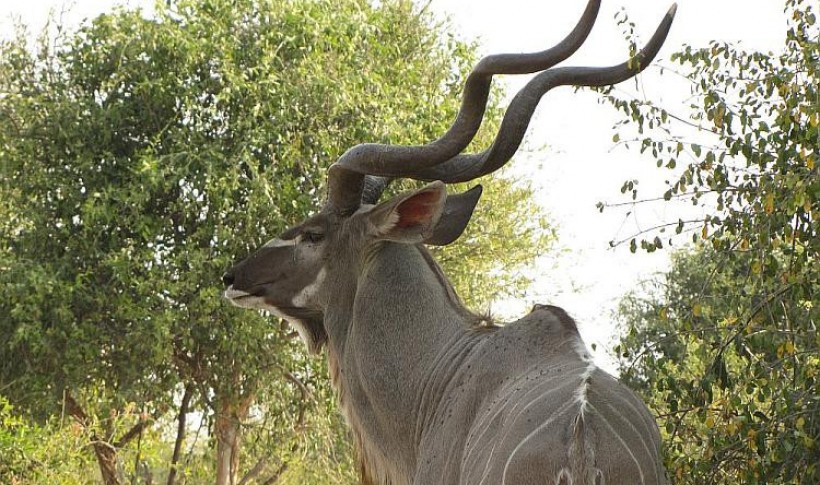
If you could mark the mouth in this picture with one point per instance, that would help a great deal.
(238, 297)
(231, 293)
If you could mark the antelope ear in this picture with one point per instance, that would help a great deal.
(457, 213)
(411, 217)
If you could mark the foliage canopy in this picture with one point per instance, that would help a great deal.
(725, 347)
(142, 155)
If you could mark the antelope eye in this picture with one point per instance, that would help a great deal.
(312, 237)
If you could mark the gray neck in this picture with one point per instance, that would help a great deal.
(386, 346)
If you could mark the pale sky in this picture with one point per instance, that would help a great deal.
(578, 166)
(570, 157)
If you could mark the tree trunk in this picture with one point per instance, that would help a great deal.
(227, 451)
(107, 460)
(183, 411)
(106, 453)
(228, 430)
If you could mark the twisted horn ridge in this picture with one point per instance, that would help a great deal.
(345, 177)
(442, 159)
(373, 188)
(464, 167)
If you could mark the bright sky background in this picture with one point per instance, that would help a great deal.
(569, 153)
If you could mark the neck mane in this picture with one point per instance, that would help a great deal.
(383, 341)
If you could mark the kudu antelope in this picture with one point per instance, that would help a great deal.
(431, 395)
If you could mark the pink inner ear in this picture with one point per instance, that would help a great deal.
(417, 210)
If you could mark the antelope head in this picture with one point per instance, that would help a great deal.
(287, 275)
(299, 274)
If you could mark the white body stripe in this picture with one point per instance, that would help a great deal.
(566, 407)
(626, 447)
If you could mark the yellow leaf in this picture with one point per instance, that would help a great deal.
(800, 422)
(728, 321)
(719, 113)
(788, 348)
(752, 434)
(768, 203)
(784, 277)
(810, 162)
(697, 310)
(710, 421)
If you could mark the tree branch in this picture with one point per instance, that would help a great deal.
(255, 471)
(183, 411)
(135, 430)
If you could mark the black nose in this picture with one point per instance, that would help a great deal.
(227, 278)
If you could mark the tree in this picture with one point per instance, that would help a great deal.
(43, 454)
(730, 374)
(141, 156)
(726, 349)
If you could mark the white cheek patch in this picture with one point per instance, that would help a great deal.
(302, 299)
(282, 243)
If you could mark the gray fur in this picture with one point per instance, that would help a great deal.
(432, 396)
